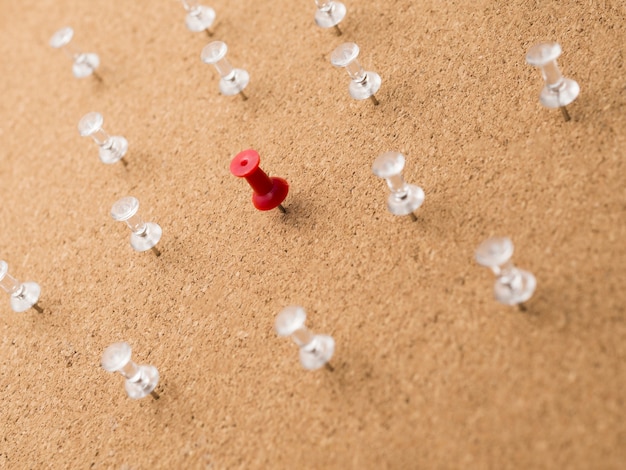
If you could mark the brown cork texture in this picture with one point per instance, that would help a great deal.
(430, 371)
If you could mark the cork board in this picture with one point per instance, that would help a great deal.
(430, 371)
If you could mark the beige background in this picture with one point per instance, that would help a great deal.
(431, 372)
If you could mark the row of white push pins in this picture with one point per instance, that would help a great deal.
(513, 286)
(558, 91)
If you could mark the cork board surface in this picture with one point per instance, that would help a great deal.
(430, 371)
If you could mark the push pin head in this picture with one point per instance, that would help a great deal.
(85, 64)
(145, 235)
(269, 192)
(140, 380)
(199, 18)
(315, 350)
(329, 14)
(112, 148)
(404, 198)
(24, 295)
(232, 80)
(558, 91)
(364, 84)
(513, 286)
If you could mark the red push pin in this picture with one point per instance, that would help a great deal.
(269, 192)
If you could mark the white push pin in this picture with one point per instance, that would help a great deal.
(232, 80)
(85, 64)
(558, 91)
(199, 17)
(364, 84)
(329, 14)
(404, 198)
(112, 148)
(145, 235)
(24, 295)
(140, 380)
(513, 286)
(315, 350)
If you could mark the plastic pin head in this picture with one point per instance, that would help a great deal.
(405, 198)
(269, 192)
(513, 286)
(329, 14)
(84, 64)
(24, 295)
(140, 380)
(364, 84)
(112, 148)
(145, 235)
(232, 81)
(558, 91)
(315, 350)
(199, 17)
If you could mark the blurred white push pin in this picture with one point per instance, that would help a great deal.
(232, 80)
(404, 198)
(364, 84)
(85, 64)
(24, 295)
(199, 18)
(112, 148)
(140, 380)
(315, 350)
(513, 286)
(558, 91)
(329, 14)
(145, 235)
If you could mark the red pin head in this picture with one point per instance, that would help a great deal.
(269, 192)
